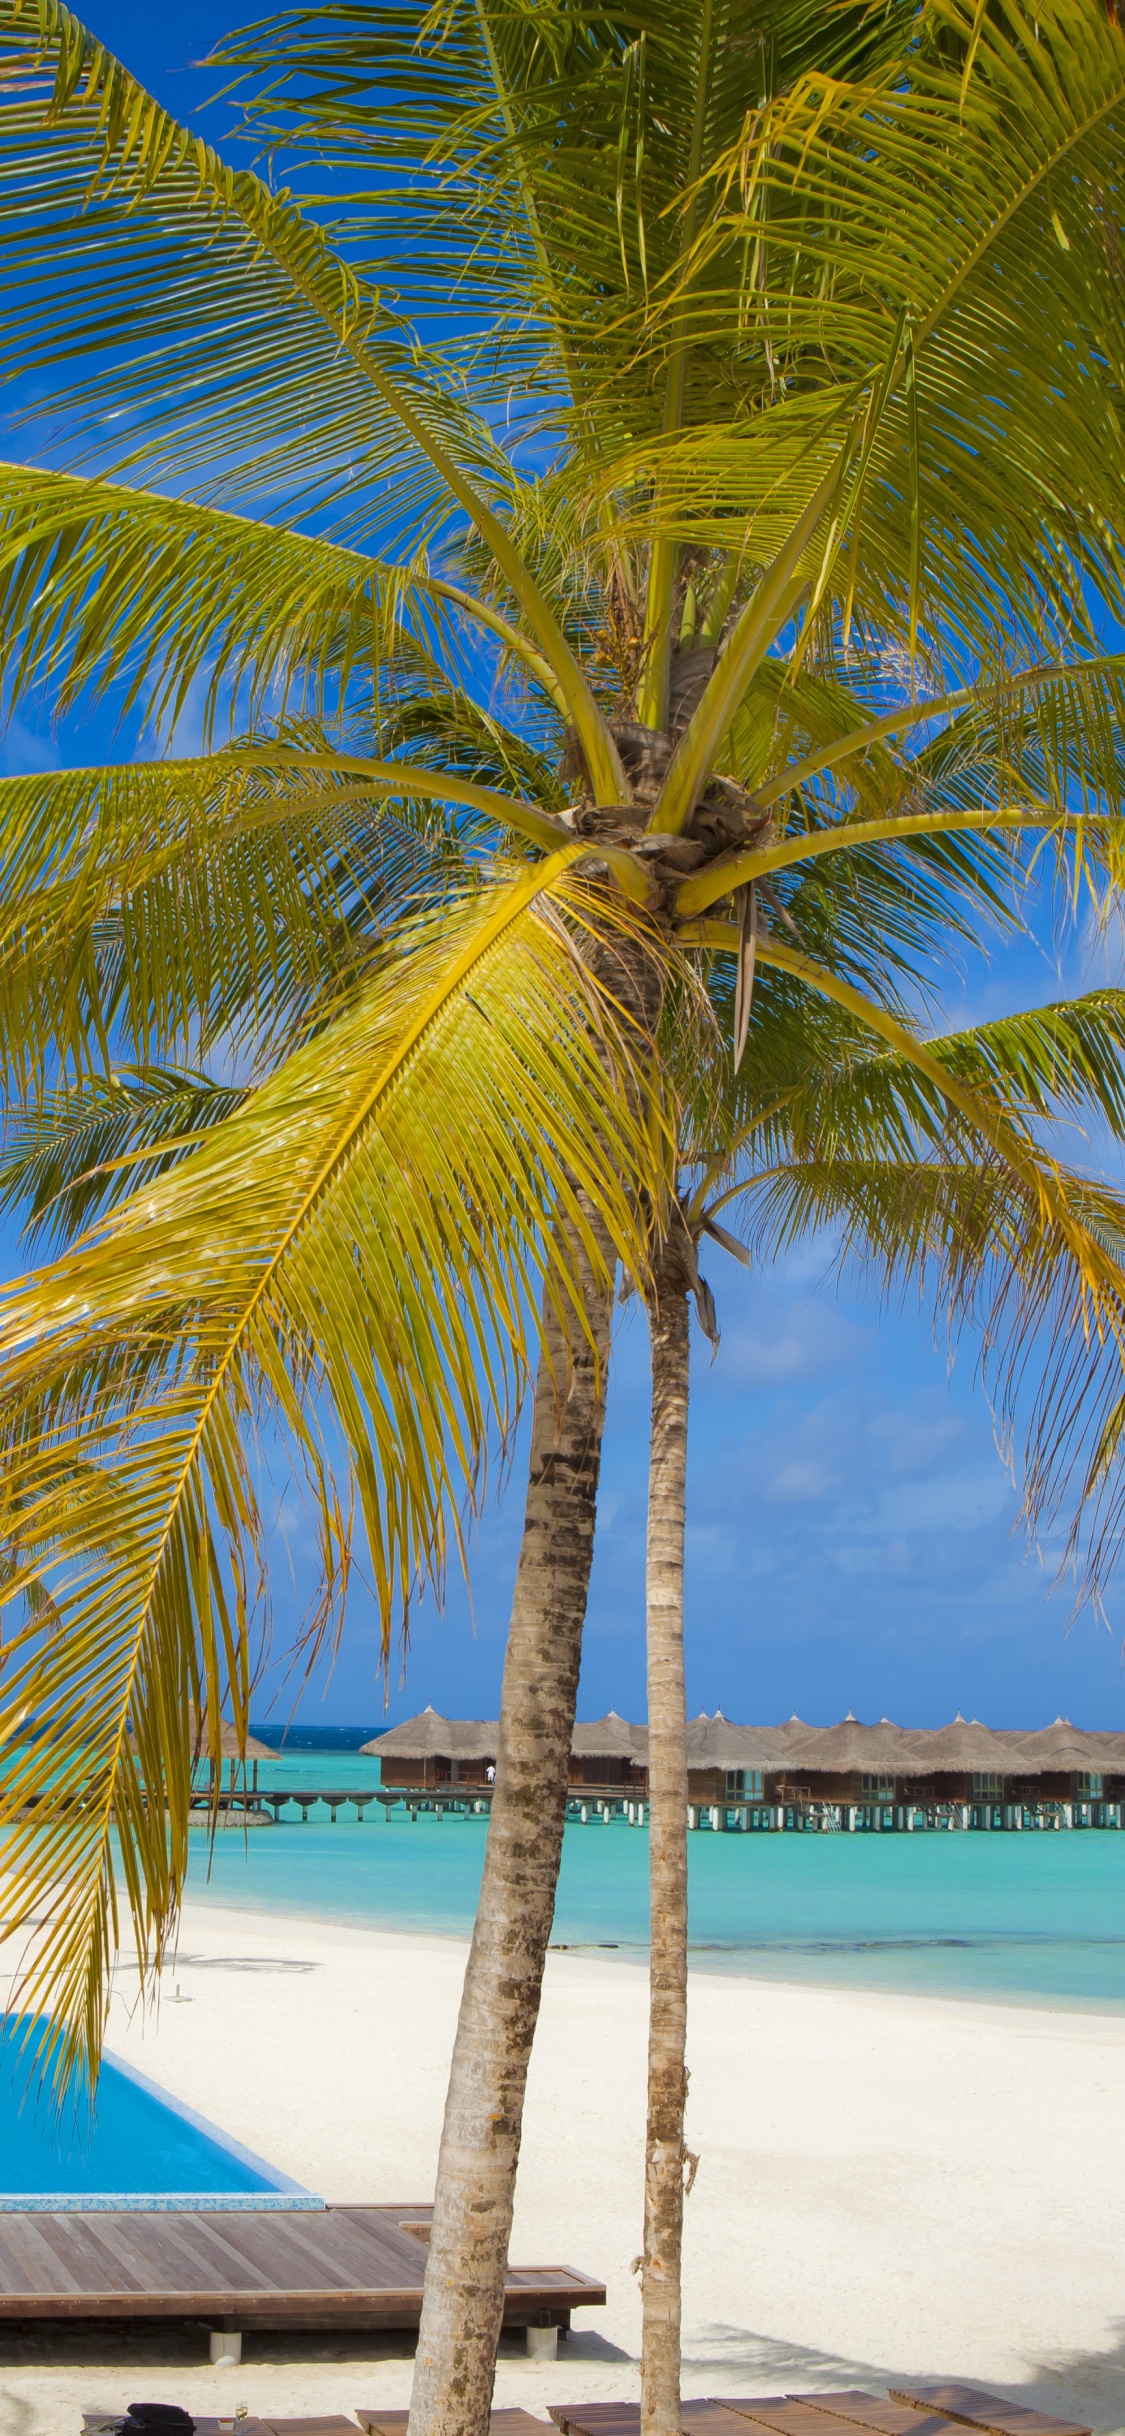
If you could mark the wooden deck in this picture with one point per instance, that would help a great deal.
(510, 2422)
(967, 2404)
(704, 2418)
(921, 2410)
(342, 2267)
(795, 2414)
(99, 2423)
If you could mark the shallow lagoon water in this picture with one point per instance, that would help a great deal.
(1031, 1918)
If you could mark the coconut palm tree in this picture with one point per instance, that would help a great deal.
(817, 1132)
(746, 407)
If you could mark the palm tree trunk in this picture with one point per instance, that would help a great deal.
(463, 2298)
(665, 2153)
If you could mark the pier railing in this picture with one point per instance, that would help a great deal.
(798, 1812)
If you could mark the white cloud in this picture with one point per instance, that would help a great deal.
(24, 753)
(815, 1337)
(954, 1501)
(797, 1481)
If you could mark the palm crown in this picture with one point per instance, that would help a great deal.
(758, 632)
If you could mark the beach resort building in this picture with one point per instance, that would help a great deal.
(844, 1776)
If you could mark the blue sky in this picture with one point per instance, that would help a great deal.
(854, 1538)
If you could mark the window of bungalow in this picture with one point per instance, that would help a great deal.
(881, 1788)
(1089, 1785)
(987, 1787)
(745, 1780)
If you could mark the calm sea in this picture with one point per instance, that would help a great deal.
(1020, 1918)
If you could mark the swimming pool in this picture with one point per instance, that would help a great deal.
(135, 2148)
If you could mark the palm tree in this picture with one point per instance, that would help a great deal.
(714, 446)
(817, 1131)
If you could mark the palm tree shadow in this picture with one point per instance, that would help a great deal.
(1085, 2386)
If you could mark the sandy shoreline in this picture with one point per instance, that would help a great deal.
(888, 2185)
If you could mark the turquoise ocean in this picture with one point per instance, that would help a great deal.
(1020, 1919)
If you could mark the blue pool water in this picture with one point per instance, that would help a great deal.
(1016, 1918)
(135, 2149)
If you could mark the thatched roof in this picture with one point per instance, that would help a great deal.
(793, 1731)
(713, 1742)
(964, 1745)
(609, 1737)
(880, 1750)
(1111, 1747)
(250, 1749)
(432, 1736)
(1059, 1747)
(231, 1748)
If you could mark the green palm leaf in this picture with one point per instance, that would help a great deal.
(101, 581)
(84, 1149)
(932, 1164)
(463, 1101)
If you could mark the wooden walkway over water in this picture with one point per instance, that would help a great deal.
(271, 2269)
(803, 1814)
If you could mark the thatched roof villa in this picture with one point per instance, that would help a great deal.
(850, 1762)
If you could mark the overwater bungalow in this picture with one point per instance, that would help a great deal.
(731, 1762)
(845, 1776)
(1063, 1764)
(609, 1756)
(845, 1763)
(431, 1753)
(962, 1762)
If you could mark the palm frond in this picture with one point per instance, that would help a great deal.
(346, 1263)
(248, 317)
(104, 586)
(84, 1149)
(158, 907)
(928, 1158)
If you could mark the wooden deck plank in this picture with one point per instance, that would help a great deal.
(597, 2418)
(872, 2411)
(700, 2418)
(975, 2409)
(786, 2414)
(505, 2422)
(247, 2265)
(34, 2260)
(336, 2425)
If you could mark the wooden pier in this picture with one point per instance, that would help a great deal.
(272, 2269)
(800, 1812)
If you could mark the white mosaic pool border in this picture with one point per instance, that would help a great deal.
(155, 2203)
(281, 2193)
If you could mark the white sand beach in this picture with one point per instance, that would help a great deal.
(887, 2185)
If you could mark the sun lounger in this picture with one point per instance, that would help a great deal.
(333, 2426)
(921, 2410)
(504, 2423)
(974, 2409)
(805, 2414)
(703, 2418)
(862, 2410)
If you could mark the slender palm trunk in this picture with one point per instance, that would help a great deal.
(665, 2153)
(464, 2289)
